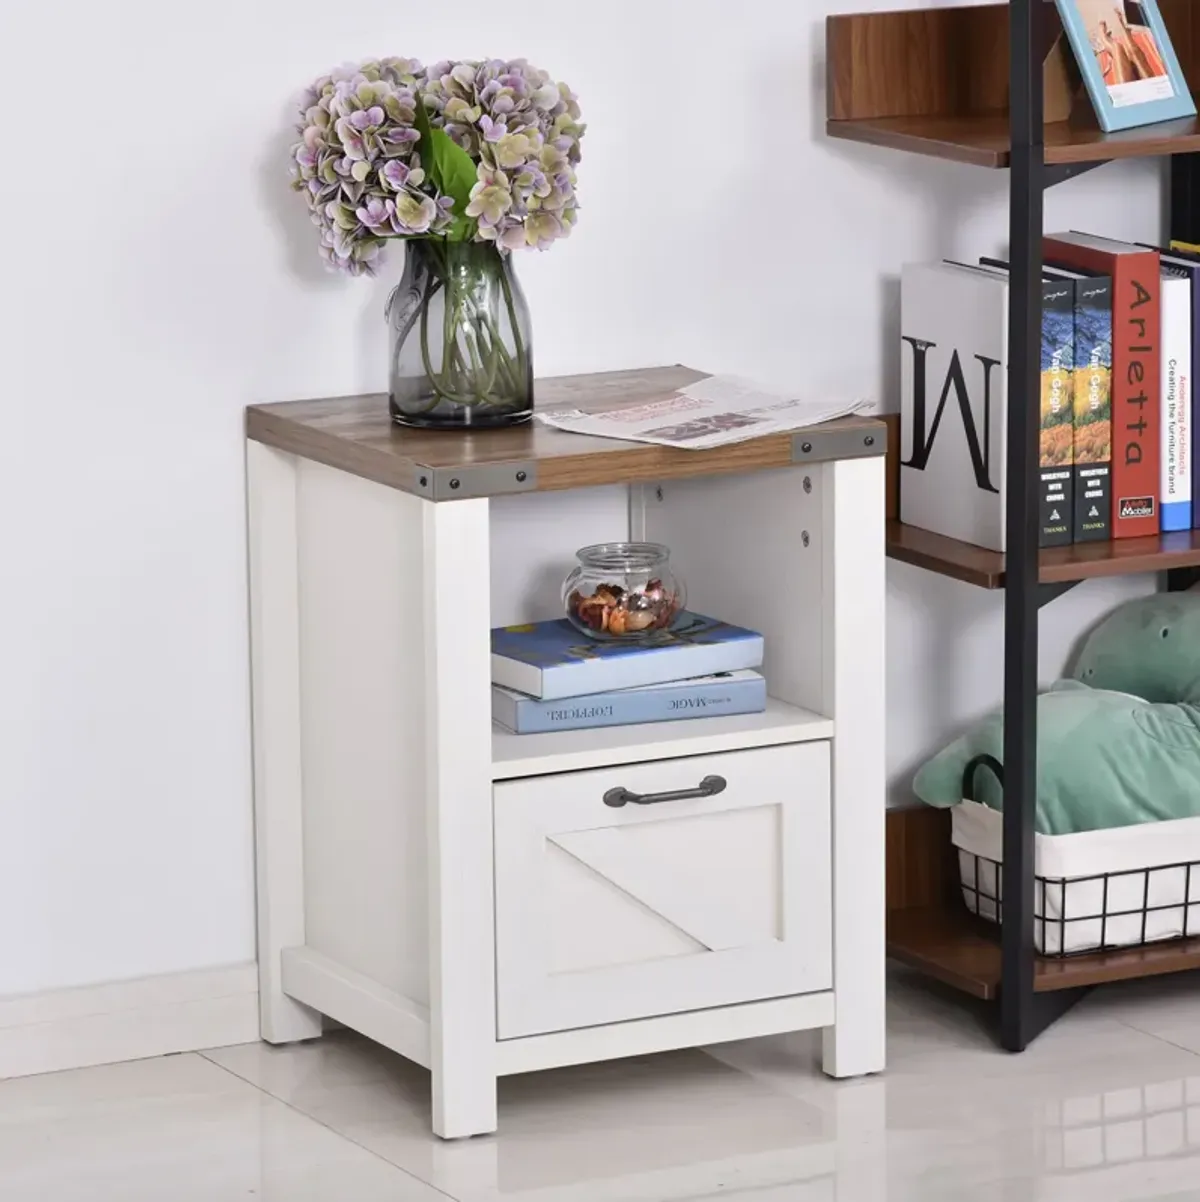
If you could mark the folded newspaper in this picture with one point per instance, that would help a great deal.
(713, 412)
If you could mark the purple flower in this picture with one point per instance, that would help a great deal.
(395, 173)
(493, 131)
(358, 164)
(377, 215)
(367, 118)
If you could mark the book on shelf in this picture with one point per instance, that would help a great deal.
(552, 660)
(1175, 491)
(717, 695)
(953, 390)
(1136, 370)
(1182, 262)
(1056, 437)
(1092, 403)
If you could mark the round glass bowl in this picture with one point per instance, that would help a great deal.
(623, 591)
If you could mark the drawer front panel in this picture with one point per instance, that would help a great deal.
(606, 913)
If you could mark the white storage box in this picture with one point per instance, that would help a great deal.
(1110, 888)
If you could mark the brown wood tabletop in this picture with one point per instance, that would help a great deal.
(356, 435)
(1059, 565)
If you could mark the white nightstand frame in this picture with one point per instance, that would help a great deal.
(375, 756)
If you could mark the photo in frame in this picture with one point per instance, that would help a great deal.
(1127, 61)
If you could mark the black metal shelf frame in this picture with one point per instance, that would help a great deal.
(1024, 1013)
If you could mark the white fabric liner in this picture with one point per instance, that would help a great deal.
(1149, 858)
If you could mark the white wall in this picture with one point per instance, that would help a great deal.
(158, 276)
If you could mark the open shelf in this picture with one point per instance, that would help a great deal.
(935, 81)
(1059, 565)
(984, 140)
(573, 750)
(954, 947)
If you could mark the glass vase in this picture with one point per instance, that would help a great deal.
(459, 336)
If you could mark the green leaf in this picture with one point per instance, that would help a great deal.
(450, 170)
(425, 145)
(455, 169)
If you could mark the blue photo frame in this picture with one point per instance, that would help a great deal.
(1133, 52)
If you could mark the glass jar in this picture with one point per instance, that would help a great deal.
(459, 337)
(623, 591)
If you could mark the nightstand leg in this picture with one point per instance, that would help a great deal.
(462, 958)
(275, 677)
(855, 574)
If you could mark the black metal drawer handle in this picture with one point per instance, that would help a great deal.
(710, 786)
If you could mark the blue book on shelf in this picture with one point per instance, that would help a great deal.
(1187, 264)
(714, 696)
(550, 660)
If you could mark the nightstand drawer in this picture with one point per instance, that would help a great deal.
(612, 904)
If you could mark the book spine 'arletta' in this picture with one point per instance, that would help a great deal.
(1093, 409)
(1136, 376)
(1057, 429)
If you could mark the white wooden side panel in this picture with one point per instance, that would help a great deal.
(362, 623)
(275, 683)
(715, 900)
(457, 698)
(738, 542)
(855, 589)
(358, 1002)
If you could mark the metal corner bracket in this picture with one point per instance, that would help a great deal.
(817, 445)
(474, 480)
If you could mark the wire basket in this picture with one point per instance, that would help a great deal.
(1082, 915)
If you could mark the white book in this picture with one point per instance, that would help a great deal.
(1175, 495)
(953, 398)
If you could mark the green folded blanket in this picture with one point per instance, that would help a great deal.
(1119, 744)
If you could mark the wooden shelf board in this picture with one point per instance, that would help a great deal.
(575, 750)
(1059, 565)
(948, 945)
(356, 435)
(984, 140)
(954, 947)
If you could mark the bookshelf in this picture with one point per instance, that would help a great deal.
(991, 86)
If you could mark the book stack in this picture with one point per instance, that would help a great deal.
(1120, 414)
(547, 676)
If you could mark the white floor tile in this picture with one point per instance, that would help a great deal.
(1096, 1109)
(1101, 1108)
(176, 1129)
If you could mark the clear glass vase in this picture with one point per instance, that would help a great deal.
(459, 336)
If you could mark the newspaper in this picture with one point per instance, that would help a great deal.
(713, 412)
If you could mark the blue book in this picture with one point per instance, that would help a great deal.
(1187, 264)
(550, 660)
(704, 697)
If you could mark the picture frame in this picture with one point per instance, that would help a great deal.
(1127, 62)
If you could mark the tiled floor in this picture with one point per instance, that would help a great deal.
(1104, 1106)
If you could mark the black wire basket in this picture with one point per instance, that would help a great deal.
(1077, 916)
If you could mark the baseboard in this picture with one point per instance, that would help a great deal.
(128, 1020)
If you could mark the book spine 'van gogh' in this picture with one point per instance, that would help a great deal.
(1175, 492)
(1093, 409)
(1057, 454)
(704, 697)
(1136, 371)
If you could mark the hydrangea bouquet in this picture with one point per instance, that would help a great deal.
(465, 161)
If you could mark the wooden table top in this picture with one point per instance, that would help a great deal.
(356, 435)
